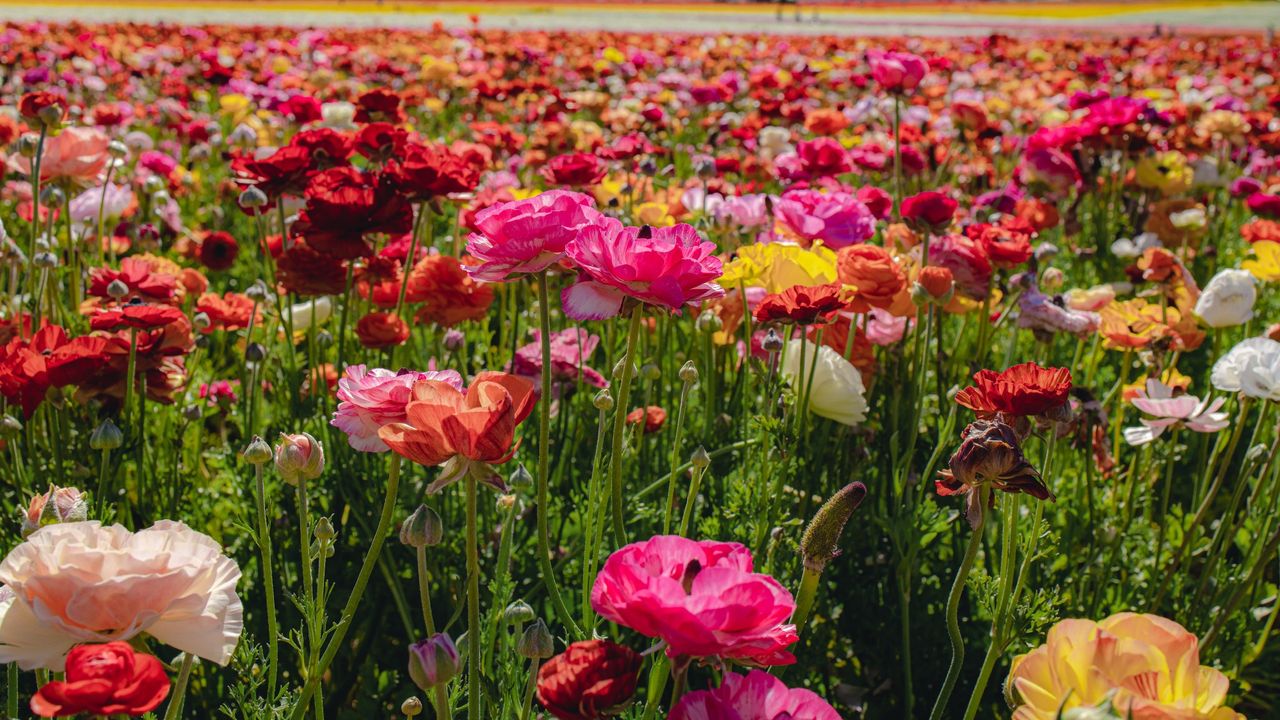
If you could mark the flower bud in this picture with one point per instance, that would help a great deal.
(50, 115)
(324, 339)
(201, 321)
(299, 457)
(689, 373)
(709, 322)
(821, 539)
(411, 707)
(106, 436)
(28, 144)
(453, 340)
(520, 477)
(117, 149)
(58, 505)
(192, 412)
(620, 366)
(10, 426)
(937, 282)
(252, 197)
(536, 642)
(700, 458)
(117, 289)
(153, 185)
(423, 528)
(603, 400)
(504, 503)
(1052, 279)
(433, 661)
(52, 196)
(45, 260)
(324, 531)
(258, 291)
(257, 452)
(255, 352)
(518, 613)
(772, 341)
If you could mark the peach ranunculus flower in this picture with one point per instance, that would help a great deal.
(1150, 667)
(81, 582)
(78, 154)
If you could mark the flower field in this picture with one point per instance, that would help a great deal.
(470, 373)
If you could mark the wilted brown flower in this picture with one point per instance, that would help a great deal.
(990, 455)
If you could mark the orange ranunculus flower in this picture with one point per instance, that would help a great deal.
(826, 121)
(1148, 665)
(465, 433)
(379, 330)
(1260, 230)
(1136, 323)
(873, 276)
(447, 293)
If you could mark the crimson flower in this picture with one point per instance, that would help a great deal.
(800, 304)
(590, 679)
(135, 314)
(328, 147)
(929, 210)
(379, 105)
(422, 172)
(104, 680)
(576, 169)
(1022, 390)
(138, 277)
(344, 204)
(283, 172)
(218, 250)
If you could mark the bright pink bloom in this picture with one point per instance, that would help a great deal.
(371, 398)
(836, 218)
(702, 598)
(669, 267)
(527, 236)
(898, 72)
(1188, 410)
(966, 260)
(754, 696)
(1050, 169)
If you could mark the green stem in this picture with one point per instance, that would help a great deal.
(440, 696)
(527, 703)
(675, 460)
(268, 580)
(473, 603)
(357, 592)
(11, 704)
(953, 608)
(180, 688)
(619, 425)
(805, 598)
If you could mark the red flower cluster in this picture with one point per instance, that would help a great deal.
(345, 204)
(51, 358)
(1022, 390)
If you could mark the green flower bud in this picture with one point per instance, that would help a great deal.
(536, 642)
(689, 373)
(700, 458)
(422, 529)
(518, 613)
(822, 538)
(257, 452)
(106, 436)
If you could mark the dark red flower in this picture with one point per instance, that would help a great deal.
(305, 272)
(590, 679)
(379, 105)
(135, 314)
(283, 172)
(379, 330)
(423, 172)
(652, 416)
(991, 455)
(380, 141)
(328, 147)
(218, 250)
(800, 304)
(1022, 390)
(108, 679)
(301, 109)
(929, 210)
(379, 279)
(343, 204)
(823, 157)
(879, 202)
(41, 106)
(575, 169)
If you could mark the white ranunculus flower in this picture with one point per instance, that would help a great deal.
(1251, 367)
(81, 582)
(308, 313)
(1126, 248)
(1228, 299)
(837, 391)
(338, 115)
(1189, 218)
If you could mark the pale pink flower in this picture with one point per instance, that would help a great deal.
(1042, 313)
(527, 236)
(885, 328)
(670, 267)
(1169, 410)
(897, 72)
(570, 349)
(836, 218)
(81, 582)
(745, 211)
(702, 598)
(754, 696)
(57, 505)
(78, 154)
(370, 398)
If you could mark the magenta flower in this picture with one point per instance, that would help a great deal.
(570, 349)
(898, 72)
(527, 236)
(670, 267)
(754, 696)
(702, 598)
(836, 218)
(1187, 410)
(372, 398)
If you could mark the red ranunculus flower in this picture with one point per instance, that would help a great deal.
(1007, 243)
(575, 169)
(378, 280)
(232, 311)
(380, 141)
(302, 109)
(652, 416)
(305, 272)
(422, 172)
(1265, 205)
(929, 210)
(328, 147)
(107, 679)
(283, 172)
(135, 314)
(343, 204)
(1022, 390)
(379, 330)
(823, 157)
(590, 679)
(800, 304)
(138, 277)
(379, 105)
(33, 103)
(218, 250)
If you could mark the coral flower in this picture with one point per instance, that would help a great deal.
(801, 304)
(702, 598)
(872, 275)
(135, 314)
(379, 330)
(670, 267)
(466, 432)
(448, 294)
(231, 311)
(1022, 390)
(81, 582)
(369, 398)
(77, 154)
(1150, 666)
(527, 236)
(754, 696)
(1158, 399)
(590, 679)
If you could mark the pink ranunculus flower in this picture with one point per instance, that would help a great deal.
(670, 267)
(570, 349)
(702, 598)
(1191, 412)
(837, 218)
(81, 582)
(966, 260)
(77, 154)
(898, 72)
(372, 397)
(885, 328)
(527, 236)
(754, 696)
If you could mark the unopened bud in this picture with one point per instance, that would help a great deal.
(201, 321)
(252, 197)
(651, 372)
(423, 528)
(822, 538)
(603, 400)
(433, 661)
(257, 452)
(453, 340)
(620, 366)
(1052, 279)
(153, 185)
(299, 457)
(325, 531)
(45, 260)
(772, 341)
(106, 436)
(10, 426)
(709, 322)
(411, 707)
(117, 149)
(117, 289)
(255, 352)
(536, 642)
(518, 613)
(700, 458)
(258, 291)
(689, 373)
(520, 477)
(28, 144)
(58, 505)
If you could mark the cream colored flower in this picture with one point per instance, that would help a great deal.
(837, 391)
(81, 582)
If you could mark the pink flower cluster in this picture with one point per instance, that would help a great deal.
(702, 598)
(754, 696)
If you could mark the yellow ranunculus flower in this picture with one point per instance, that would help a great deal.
(1166, 171)
(778, 266)
(653, 213)
(438, 69)
(1151, 664)
(1266, 265)
(233, 103)
(614, 55)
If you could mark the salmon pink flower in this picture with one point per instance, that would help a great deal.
(464, 432)
(754, 696)
(1158, 399)
(369, 398)
(702, 598)
(670, 267)
(527, 236)
(77, 154)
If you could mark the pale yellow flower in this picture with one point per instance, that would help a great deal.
(1166, 171)
(778, 266)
